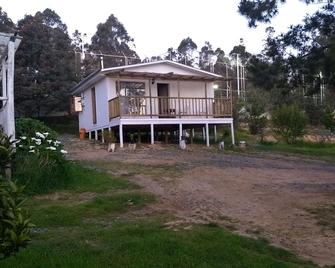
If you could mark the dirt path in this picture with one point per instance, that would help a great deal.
(259, 195)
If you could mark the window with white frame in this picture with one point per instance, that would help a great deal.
(134, 103)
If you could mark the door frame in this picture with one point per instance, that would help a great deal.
(163, 104)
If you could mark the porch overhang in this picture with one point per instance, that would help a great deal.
(164, 76)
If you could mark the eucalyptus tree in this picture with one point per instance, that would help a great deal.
(44, 65)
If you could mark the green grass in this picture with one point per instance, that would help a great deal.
(147, 244)
(86, 178)
(92, 223)
(324, 150)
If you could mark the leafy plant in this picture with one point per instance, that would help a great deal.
(109, 136)
(15, 225)
(289, 122)
(28, 127)
(7, 151)
(255, 113)
(328, 118)
(40, 163)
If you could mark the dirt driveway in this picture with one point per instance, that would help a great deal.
(267, 195)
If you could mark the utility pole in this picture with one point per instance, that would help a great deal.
(238, 75)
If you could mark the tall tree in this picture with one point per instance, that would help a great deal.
(264, 10)
(6, 24)
(303, 56)
(207, 57)
(187, 50)
(243, 54)
(44, 65)
(112, 37)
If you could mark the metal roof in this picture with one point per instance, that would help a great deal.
(126, 71)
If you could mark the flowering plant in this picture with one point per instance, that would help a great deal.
(40, 145)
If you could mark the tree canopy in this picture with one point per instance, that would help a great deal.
(6, 24)
(112, 37)
(44, 65)
(301, 57)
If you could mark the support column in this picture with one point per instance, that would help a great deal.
(102, 136)
(4, 78)
(232, 133)
(89, 135)
(180, 131)
(178, 89)
(121, 135)
(203, 134)
(215, 134)
(96, 135)
(152, 134)
(10, 131)
(207, 135)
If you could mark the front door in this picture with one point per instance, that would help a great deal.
(163, 101)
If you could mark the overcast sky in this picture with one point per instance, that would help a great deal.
(157, 25)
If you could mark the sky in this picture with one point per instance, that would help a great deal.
(157, 25)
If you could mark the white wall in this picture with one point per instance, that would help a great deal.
(102, 90)
(106, 90)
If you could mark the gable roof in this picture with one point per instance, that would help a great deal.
(133, 71)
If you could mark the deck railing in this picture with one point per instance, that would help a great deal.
(169, 107)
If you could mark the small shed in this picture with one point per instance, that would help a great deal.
(8, 46)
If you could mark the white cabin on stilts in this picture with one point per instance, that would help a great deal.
(155, 97)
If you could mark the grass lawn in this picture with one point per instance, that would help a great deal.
(92, 222)
(319, 150)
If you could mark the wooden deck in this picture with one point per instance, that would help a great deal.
(169, 107)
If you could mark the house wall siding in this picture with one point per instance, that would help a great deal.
(86, 116)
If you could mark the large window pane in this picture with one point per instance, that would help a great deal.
(128, 88)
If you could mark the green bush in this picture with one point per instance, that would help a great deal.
(7, 151)
(289, 122)
(256, 115)
(39, 163)
(328, 118)
(15, 224)
(28, 127)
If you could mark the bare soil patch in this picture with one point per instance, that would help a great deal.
(263, 195)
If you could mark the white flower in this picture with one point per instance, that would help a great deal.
(32, 151)
(31, 147)
(38, 142)
(17, 141)
(23, 138)
(33, 139)
(63, 151)
(46, 134)
(49, 141)
(56, 143)
(51, 148)
(20, 145)
(40, 135)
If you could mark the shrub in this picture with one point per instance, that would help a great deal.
(15, 224)
(256, 114)
(313, 111)
(328, 118)
(289, 122)
(6, 153)
(28, 127)
(40, 163)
